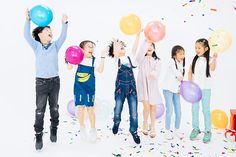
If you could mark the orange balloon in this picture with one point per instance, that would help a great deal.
(154, 31)
(219, 41)
(130, 24)
(219, 119)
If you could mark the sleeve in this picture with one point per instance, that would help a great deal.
(141, 53)
(31, 41)
(176, 72)
(62, 37)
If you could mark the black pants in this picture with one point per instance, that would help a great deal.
(46, 89)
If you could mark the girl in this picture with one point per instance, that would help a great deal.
(84, 87)
(125, 88)
(200, 73)
(47, 78)
(174, 74)
(148, 90)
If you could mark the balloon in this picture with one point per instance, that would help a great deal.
(160, 110)
(74, 55)
(220, 41)
(190, 91)
(71, 108)
(154, 31)
(130, 24)
(219, 119)
(41, 15)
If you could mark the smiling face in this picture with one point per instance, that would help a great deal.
(200, 49)
(88, 49)
(151, 49)
(45, 35)
(180, 55)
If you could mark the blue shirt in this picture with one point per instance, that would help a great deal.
(46, 56)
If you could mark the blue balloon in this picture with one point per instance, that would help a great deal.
(41, 15)
(190, 91)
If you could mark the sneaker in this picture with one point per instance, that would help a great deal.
(53, 134)
(178, 134)
(169, 135)
(135, 137)
(115, 128)
(39, 141)
(194, 134)
(93, 135)
(207, 137)
(83, 133)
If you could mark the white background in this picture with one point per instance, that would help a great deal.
(98, 20)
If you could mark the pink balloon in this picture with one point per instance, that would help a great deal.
(74, 55)
(154, 31)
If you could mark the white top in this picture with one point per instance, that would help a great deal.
(125, 61)
(199, 76)
(171, 81)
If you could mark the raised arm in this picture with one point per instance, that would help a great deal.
(142, 51)
(63, 35)
(213, 62)
(27, 34)
(102, 61)
(136, 42)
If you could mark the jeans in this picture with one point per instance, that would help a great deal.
(206, 95)
(126, 88)
(172, 99)
(46, 89)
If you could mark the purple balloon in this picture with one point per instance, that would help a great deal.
(190, 91)
(71, 108)
(160, 110)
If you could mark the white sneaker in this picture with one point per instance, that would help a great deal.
(83, 134)
(178, 134)
(93, 135)
(168, 135)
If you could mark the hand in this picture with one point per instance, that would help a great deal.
(64, 18)
(180, 78)
(215, 55)
(105, 52)
(69, 66)
(27, 14)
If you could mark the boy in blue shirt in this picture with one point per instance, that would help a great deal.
(47, 78)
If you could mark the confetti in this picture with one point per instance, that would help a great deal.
(184, 4)
(214, 45)
(210, 29)
(212, 9)
(192, 1)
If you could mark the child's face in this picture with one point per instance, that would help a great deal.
(151, 49)
(88, 50)
(180, 55)
(200, 49)
(120, 50)
(46, 35)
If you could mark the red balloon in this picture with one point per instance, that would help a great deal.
(74, 55)
(154, 31)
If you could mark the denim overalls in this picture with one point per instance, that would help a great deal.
(84, 86)
(126, 88)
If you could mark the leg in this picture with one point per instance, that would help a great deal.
(177, 109)
(80, 115)
(153, 119)
(195, 121)
(146, 110)
(92, 117)
(169, 109)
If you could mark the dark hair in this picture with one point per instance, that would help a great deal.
(154, 55)
(111, 45)
(83, 43)
(36, 32)
(174, 51)
(205, 43)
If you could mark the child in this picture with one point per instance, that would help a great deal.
(47, 79)
(174, 74)
(84, 87)
(125, 88)
(199, 72)
(148, 90)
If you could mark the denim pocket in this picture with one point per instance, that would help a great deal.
(40, 82)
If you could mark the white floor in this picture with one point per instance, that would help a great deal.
(21, 143)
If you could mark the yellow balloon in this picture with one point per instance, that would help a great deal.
(220, 41)
(219, 119)
(130, 24)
